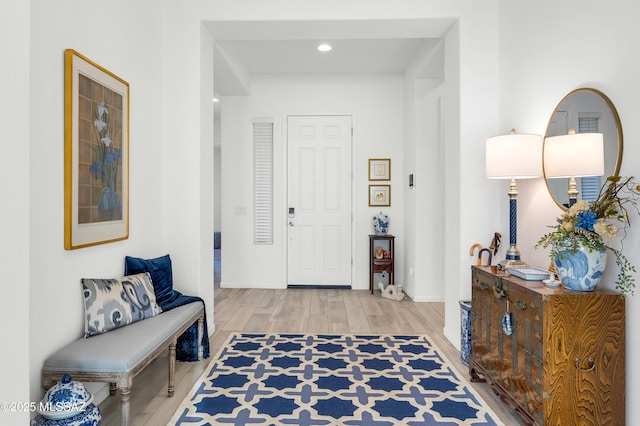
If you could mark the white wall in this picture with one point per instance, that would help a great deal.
(14, 214)
(119, 40)
(374, 101)
(187, 135)
(558, 47)
(217, 175)
(56, 273)
(471, 69)
(424, 93)
(217, 188)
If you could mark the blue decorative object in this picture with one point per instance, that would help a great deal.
(187, 344)
(381, 224)
(331, 380)
(591, 224)
(109, 200)
(168, 298)
(161, 275)
(91, 416)
(116, 302)
(506, 324)
(581, 270)
(67, 403)
(465, 331)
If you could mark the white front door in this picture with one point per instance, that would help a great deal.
(319, 198)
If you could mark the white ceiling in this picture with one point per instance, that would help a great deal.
(302, 56)
(290, 47)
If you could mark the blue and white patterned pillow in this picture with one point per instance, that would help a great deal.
(116, 302)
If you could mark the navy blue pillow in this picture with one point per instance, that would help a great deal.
(161, 276)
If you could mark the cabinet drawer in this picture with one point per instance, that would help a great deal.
(483, 286)
(526, 319)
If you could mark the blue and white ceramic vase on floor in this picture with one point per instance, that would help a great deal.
(68, 403)
(465, 331)
(581, 270)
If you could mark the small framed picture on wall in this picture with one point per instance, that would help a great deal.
(379, 169)
(379, 195)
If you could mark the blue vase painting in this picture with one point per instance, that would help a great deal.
(106, 167)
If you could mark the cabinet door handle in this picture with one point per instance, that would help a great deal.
(592, 364)
(520, 305)
(499, 292)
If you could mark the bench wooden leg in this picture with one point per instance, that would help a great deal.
(200, 333)
(124, 406)
(172, 368)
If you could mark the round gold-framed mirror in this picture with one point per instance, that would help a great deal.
(585, 110)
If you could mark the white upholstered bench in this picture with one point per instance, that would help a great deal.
(119, 355)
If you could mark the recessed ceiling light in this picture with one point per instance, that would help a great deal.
(324, 47)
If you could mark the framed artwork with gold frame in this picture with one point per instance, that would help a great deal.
(379, 169)
(96, 159)
(379, 195)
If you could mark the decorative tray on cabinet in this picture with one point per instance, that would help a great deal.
(528, 273)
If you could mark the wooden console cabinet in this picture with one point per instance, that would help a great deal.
(564, 363)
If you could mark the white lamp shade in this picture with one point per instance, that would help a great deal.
(514, 156)
(574, 155)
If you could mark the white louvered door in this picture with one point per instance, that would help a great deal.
(263, 182)
(319, 198)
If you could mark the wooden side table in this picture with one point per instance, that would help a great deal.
(381, 257)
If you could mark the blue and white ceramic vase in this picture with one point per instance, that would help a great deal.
(381, 224)
(68, 403)
(581, 270)
(465, 331)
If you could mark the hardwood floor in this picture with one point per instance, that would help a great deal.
(293, 311)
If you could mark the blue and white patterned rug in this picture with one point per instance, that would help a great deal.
(302, 379)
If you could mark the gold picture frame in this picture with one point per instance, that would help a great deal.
(379, 195)
(96, 159)
(379, 169)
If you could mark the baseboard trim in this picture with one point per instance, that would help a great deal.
(341, 287)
